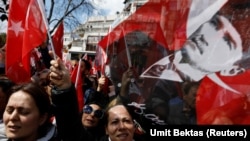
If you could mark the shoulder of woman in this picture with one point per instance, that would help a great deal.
(51, 134)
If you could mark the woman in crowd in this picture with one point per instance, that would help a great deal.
(92, 121)
(71, 125)
(120, 120)
(92, 117)
(119, 124)
(27, 114)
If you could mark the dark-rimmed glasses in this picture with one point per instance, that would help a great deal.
(97, 113)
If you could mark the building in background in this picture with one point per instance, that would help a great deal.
(85, 38)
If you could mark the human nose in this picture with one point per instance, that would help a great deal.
(14, 115)
(122, 125)
(92, 113)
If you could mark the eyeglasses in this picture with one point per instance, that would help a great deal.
(97, 113)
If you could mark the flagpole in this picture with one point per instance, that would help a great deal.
(52, 46)
(42, 9)
(78, 72)
(127, 50)
(108, 39)
(128, 55)
(107, 47)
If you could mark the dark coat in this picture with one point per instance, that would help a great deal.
(68, 118)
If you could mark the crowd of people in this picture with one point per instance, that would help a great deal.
(47, 107)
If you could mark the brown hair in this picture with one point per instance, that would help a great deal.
(42, 101)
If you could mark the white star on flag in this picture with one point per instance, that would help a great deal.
(16, 27)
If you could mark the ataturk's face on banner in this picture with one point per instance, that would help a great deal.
(215, 46)
(205, 41)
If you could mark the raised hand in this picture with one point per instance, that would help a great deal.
(59, 74)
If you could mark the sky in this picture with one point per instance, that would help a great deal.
(2, 24)
(110, 7)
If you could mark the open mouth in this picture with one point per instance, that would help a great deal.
(13, 128)
(123, 135)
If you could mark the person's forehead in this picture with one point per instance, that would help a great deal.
(95, 106)
(21, 97)
(118, 110)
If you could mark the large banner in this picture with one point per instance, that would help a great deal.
(191, 59)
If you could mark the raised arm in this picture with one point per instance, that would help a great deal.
(64, 99)
(127, 77)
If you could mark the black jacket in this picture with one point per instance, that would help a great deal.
(68, 118)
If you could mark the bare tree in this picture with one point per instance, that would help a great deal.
(71, 12)
(3, 10)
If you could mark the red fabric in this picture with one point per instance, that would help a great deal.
(147, 19)
(170, 32)
(216, 103)
(36, 63)
(100, 59)
(78, 86)
(58, 40)
(26, 30)
(213, 101)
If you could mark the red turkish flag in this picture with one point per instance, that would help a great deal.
(76, 78)
(216, 105)
(100, 59)
(26, 30)
(58, 40)
(172, 24)
(148, 19)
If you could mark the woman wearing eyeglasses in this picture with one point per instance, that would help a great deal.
(92, 121)
(117, 124)
(72, 125)
(91, 116)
